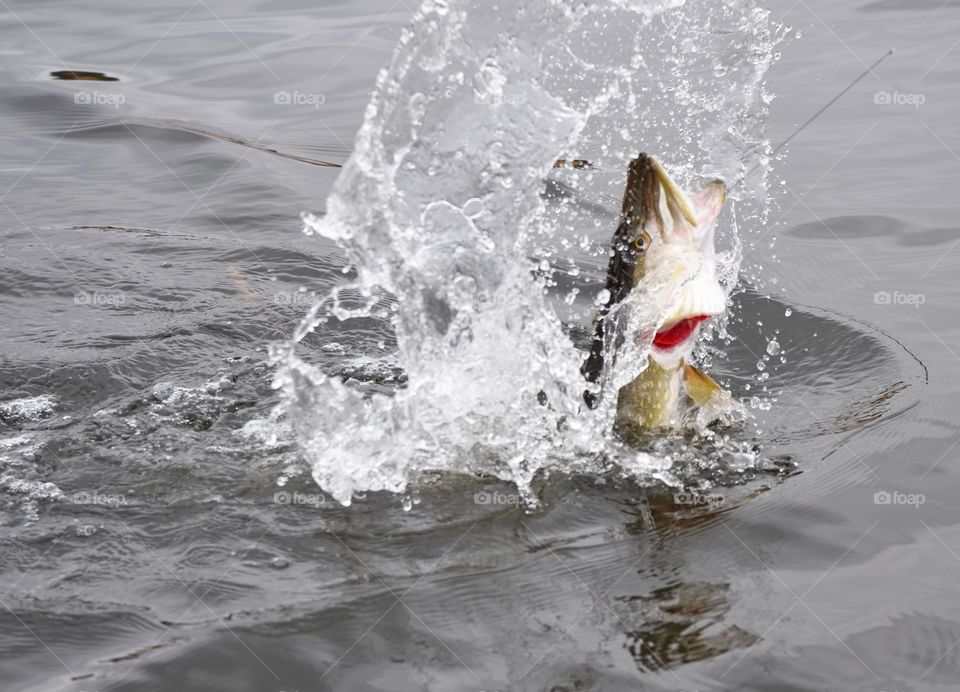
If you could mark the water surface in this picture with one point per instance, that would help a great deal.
(152, 250)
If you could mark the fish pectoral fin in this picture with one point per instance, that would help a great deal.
(699, 385)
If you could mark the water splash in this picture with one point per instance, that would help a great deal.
(441, 207)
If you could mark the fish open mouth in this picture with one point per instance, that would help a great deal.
(677, 333)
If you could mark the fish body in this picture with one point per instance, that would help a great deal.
(661, 284)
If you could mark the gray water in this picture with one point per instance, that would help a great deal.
(162, 531)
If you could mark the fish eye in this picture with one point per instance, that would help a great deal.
(642, 242)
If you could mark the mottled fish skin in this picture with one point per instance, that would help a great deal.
(627, 264)
(652, 400)
(649, 401)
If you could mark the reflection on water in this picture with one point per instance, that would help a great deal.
(689, 627)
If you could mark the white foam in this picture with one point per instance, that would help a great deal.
(29, 408)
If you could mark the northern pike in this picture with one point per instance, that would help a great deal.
(662, 252)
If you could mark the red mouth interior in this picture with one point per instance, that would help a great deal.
(678, 333)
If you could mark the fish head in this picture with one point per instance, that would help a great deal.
(670, 236)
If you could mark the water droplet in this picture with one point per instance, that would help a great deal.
(773, 348)
(761, 365)
(787, 312)
(473, 207)
(279, 563)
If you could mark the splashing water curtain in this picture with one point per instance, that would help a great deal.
(441, 205)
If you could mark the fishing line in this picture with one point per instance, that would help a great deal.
(584, 164)
(817, 114)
